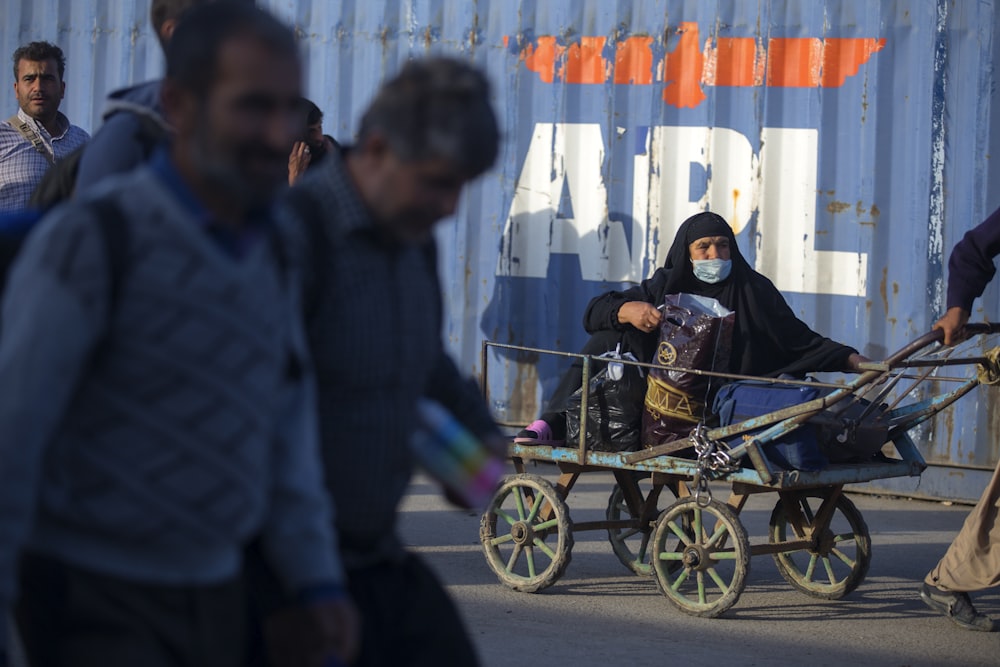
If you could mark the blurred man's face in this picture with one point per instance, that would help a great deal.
(314, 135)
(39, 88)
(409, 197)
(239, 137)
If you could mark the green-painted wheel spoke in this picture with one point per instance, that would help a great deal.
(545, 525)
(530, 555)
(718, 580)
(627, 534)
(681, 578)
(724, 555)
(545, 548)
(681, 535)
(671, 555)
(701, 587)
(506, 517)
(848, 561)
(699, 536)
(513, 558)
(519, 499)
(500, 539)
(807, 511)
(829, 570)
(810, 569)
(715, 538)
(643, 547)
(843, 537)
(535, 507)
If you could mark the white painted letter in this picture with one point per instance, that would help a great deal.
(787, 221)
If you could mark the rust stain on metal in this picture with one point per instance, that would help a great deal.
(881, 289)
(522, 405)
(837, 206)
(873, 215)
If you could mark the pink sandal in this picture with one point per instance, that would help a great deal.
(538, 433)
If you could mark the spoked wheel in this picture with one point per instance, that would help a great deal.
(526, 533)
(840, 552)
(705, 575)
(631, 543)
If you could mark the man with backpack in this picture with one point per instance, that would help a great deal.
(38, 135)
(158, 400)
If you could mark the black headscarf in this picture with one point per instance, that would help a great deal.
(681, 275)
(768, 338)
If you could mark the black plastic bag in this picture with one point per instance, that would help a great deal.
(695, 332)
(614, 409)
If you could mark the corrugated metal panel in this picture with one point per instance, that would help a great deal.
(848, 142)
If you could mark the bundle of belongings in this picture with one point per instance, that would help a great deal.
(627, 408)
(696, 334)
(614, 406)
(852, 430)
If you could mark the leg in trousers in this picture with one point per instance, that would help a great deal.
(972, 562)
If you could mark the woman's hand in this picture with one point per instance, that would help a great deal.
(855, 360)
(643, 316)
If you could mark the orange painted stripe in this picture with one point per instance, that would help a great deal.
(585, 61)
(843, 57)
(542, 59)
(793, 62)
(682, 70)
(634, 61)
(735, 63)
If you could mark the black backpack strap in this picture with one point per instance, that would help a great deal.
(307, 213)
(150, 133)
(115, 235)
(430, 251)
(58, 182)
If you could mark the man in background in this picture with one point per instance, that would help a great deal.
(38, 135)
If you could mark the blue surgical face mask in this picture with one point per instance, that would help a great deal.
(712, 270)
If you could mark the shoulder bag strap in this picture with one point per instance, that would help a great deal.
(32, 137)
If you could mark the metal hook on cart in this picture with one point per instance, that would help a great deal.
(702, 494)
(714, 461)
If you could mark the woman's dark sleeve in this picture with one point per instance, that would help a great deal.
(802, 349)
(602, 311)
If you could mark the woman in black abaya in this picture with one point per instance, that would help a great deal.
(768, 340)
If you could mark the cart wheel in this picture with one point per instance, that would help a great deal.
(631, 545)
(526, 533)
(714, 557)
(838, 560)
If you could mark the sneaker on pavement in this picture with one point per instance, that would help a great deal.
(537, 433)
(957, 607)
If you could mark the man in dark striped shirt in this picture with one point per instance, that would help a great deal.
(374, 312)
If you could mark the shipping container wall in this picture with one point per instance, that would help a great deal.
(847, 143)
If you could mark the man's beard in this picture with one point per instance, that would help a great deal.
(226, 174)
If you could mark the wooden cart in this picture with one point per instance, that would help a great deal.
(661, 517)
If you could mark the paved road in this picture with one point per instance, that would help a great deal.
(599, 614)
